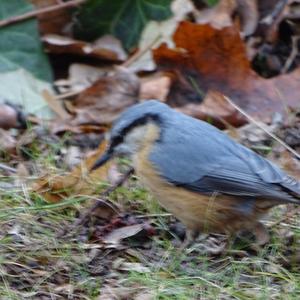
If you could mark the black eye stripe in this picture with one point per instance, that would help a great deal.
(118, 139)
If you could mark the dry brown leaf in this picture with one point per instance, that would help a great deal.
(80, 181)
(106, 47)
(106, 98)
(216, 60)
(99, 105)
(54, 21)
(155, 87)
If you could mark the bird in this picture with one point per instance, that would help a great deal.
(208, 181)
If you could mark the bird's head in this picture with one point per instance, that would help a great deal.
(131, 130)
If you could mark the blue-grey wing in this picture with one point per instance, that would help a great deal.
(199, 157)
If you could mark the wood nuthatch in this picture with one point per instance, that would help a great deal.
(207, 180)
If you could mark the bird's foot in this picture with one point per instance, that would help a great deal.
(190, 236)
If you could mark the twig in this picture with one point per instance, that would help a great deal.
(292, 55)
(37, 12)
(276, 138)
(7, 168)
(68, 95)
(82, 220)
(140, 52)
(275, 13)
(153, 216)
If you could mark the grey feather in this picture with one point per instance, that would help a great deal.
(195, 155)
(201, 158)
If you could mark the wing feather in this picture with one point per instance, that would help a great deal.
(201, 158)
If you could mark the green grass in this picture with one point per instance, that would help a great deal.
(36, 262)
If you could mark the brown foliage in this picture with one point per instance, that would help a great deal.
(209, 59)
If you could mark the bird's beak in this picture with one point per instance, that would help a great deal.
(102, 160)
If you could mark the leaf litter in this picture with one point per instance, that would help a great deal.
(123, 246)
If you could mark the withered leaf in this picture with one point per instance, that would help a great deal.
(216, 60)
(106, 48)
(106, 98)
(99, 105)
(79, 181)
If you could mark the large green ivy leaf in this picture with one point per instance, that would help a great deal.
(124, 19)
(20, 45)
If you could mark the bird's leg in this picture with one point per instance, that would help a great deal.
(190, 236)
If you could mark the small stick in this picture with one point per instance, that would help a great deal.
(37, 12)
(276, 138)
(272, 17)
(98, 204)
(7, 168)
(292, 55)
(140, 52)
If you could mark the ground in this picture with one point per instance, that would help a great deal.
(41, 259)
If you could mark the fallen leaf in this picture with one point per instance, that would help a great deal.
(106, 98)
(119, 234)
(98, 106)
(155, 87)
(105, 48)
(216, 60)
(80, 181)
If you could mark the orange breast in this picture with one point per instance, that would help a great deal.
(215, 213)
